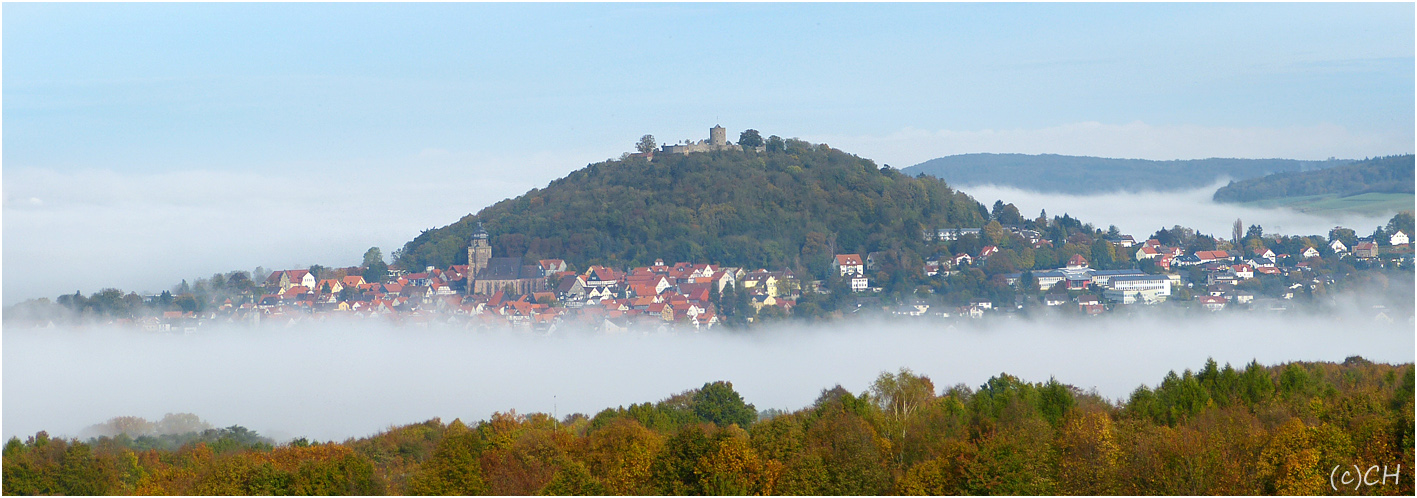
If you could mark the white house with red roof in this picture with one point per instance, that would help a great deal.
(1077, 262)
(849, 264)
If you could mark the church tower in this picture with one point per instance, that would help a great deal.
(478, 252)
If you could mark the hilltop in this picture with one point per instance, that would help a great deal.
(791, 206)
(1377, 182)
(1091, 175)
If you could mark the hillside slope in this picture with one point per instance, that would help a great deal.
(1382, 175)
(1090, 175)
(776, 209)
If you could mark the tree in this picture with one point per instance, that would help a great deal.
(775, 144)
(1401, 221)
(750, 138)
(372, 256)
(899, 396)
(646, 144)
(1237, 232)
(717, 402)
(376, 273)
(1345, 235)
(453, 469)
(1255, 231)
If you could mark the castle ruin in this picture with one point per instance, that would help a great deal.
(718, 140)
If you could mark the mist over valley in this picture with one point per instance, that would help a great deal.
(341, 380)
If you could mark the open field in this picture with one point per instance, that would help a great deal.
(1371, 203)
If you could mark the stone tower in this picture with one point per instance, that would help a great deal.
(478, 252)
(718, 136)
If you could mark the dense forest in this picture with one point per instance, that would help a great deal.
(1391, 174)
(775, 209)
(1092, 175)
(1281, 429)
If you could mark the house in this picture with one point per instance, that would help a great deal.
(873, 260)
(1243, 272)
(330, 286)
(948, 234)
(1124, 241)
(1244, 297)
(1337, 246)
(285, 279)
(961, 259)
(1077, 262)
(932, 268)
(1212, 303)
(849, 264)
(1055, 299)
(1263, 253)
(1309, 253)
(1398, 238)
(987, 251)
(549, 266)
(1148, 252)
(1365, 250)
(1090, 305)
(1208, 256)
(859, 284)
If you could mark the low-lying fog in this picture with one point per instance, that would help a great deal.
(338, 381)
(1143, 213)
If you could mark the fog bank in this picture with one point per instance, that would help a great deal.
(1143, 213)
(146, 231)
(338, 381)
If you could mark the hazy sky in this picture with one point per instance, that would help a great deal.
(145, 143)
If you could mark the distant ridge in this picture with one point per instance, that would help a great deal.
(1380, 175)
(1091, 175)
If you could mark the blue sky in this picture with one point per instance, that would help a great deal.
(384, 119)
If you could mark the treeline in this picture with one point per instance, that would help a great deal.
(1391, 174)
(775, 209)
(1094, 175)
(1219, 430)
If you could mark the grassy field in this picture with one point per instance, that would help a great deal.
(1332, 203)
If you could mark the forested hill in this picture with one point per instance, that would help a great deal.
(1391, 174)
(790, 208)
(1090, 175)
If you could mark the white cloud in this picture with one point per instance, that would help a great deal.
(1136, 140)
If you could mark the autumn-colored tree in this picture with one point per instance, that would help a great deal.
(1087, 455)
(732, 467)
(620, 454)
(453, 469)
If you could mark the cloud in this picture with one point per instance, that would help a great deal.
(1136, 140)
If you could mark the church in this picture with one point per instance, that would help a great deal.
(490, 274)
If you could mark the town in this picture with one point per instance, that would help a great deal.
(974, 274)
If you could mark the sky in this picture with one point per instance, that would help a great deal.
(148, 143)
